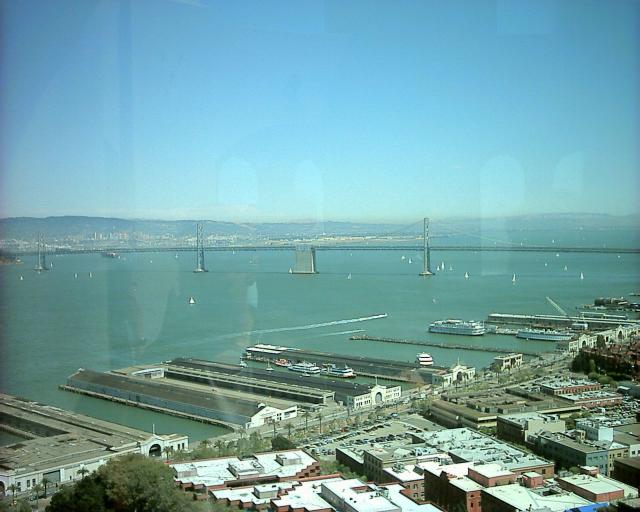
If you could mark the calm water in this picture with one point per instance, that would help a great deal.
(134, 310)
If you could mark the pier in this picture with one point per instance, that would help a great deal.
(450, 346)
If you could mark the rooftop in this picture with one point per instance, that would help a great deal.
(524, 499)
(600, 484)
(215, 472)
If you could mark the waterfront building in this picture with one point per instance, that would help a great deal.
(592, 399)
(261, 468)
(375, 395)
(506, 362)
(62, 446)
(517, 427)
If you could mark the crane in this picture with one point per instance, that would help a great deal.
(582, 325)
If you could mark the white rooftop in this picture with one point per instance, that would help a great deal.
(406, 504)
(214, 472)
(491, 470)
(251, 494)
(305, 496)
(522, 498)
(600, 484)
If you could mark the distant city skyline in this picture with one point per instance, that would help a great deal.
(332, 111)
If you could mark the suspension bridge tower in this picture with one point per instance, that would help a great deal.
(426, 250)
(200, 250)
(41, 263)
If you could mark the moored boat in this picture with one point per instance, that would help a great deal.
(282, 362)
(424, 359)
(465, 328)
(543, 335)
(335, 371)
(304, 367)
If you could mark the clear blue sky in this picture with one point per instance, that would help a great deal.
(335, 110)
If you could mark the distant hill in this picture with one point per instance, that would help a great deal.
(26, 228)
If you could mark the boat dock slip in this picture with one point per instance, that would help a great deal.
(365, 366)
(451, 346)
(317, 388)
(179, 400)
(248, 380)
(595, 322)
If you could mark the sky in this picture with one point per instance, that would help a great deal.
(329, 110)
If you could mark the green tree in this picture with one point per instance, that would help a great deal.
(45, 482)
(592, 366)
(83, 472)
(13, 488)
(281, 443)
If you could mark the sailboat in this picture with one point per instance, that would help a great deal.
(545, 263)
(442, 266)
(90, 274)
(21, 278)
(513, 279)
(438, 267)
(243, 364)
(176, 256)
(581, 275)
(466, 275)
(410, 262)
(450, 267)
(565, 268)
(349, 276)
(75, 275)
(191, 300)
(290, 270)
(403, 257)
(269, 368)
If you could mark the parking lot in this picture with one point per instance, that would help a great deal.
(385, 433)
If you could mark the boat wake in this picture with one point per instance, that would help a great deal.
(301, 327)
(355, 331)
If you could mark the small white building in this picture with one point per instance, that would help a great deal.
(267, 414)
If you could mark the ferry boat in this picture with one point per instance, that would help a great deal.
(424, 359)
(466, 328)
(343, 373)
(304, 367)
(543, 335)
(282, 362)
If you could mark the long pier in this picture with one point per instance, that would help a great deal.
(497, 350)
(351, 248)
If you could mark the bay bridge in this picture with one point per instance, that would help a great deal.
(305, 253)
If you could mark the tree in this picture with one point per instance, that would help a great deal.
(13, 488)
(45, 482)
(168, 450)
(83, 472)
(131, 482)
(281, 443)
(37, 490)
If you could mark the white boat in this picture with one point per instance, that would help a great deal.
(424, 359)
(403, 257)
(543, 335)
(466, 275)
(21, 278)
(342, 373)
(442, 266)
(304, 367)
(565, 268)
(176, 256)
(410, 262)
(90, 274)
(438, 267)
(465, 328)
(349, 276)
(243, 364)
(513, 279)
(450, 267)
(545, 263)
(290, 270)
(150, 261)
(75, 275)
(191, 300)
(269, 367)
(581, 275)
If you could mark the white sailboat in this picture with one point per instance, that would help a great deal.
(269, 368)
(290, 270)
(21, 278)
(90, 274)
(466, 275)
(565, 268)
(545, 263)
(581, 275)
(410, 262)
(75, 275)
(442, 266)
(191, 300)
(176, 256)
(349, 276)
(438, 267)
(513, 279)
(450, 267)
(243, 364)
(403, 257)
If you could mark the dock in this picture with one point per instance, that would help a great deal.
(451, 346)
(596, 322)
